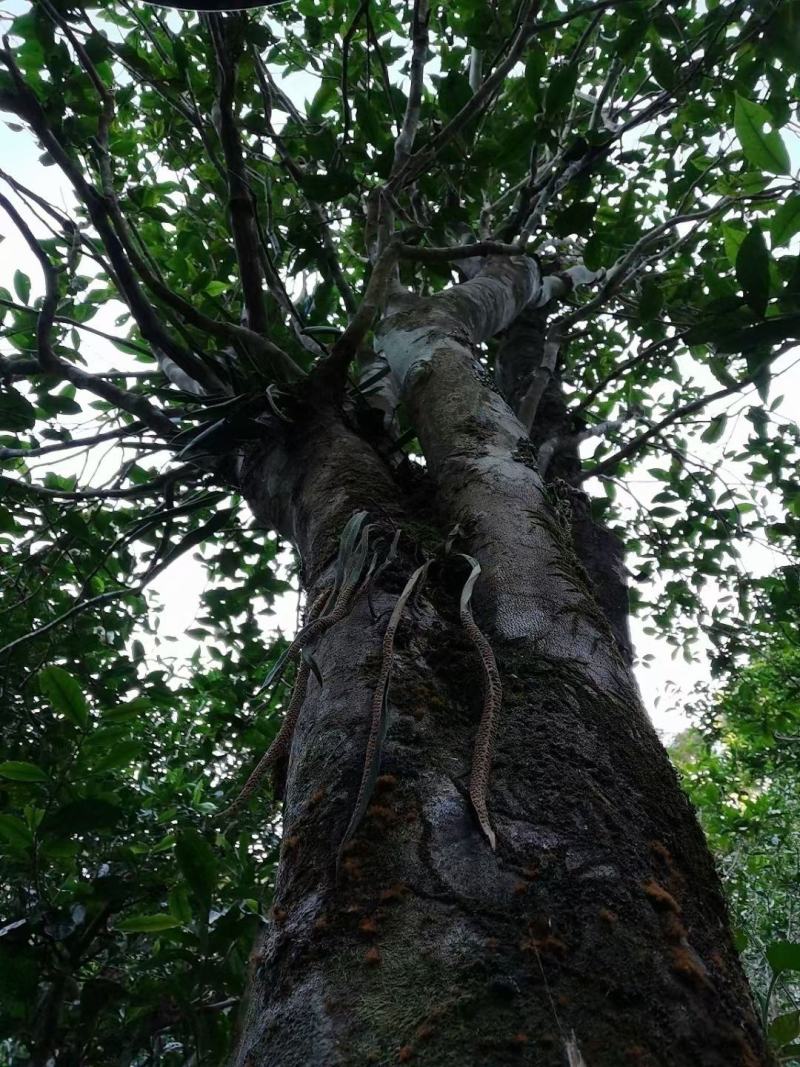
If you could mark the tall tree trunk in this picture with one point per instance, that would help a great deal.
(595, 933)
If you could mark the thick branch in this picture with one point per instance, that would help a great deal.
(225, 35)
(419, 52)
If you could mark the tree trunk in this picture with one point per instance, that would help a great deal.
(596, 932)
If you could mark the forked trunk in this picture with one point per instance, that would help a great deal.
(595, 934)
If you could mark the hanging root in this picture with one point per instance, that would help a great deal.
(379, 710)
(353, 547)
(349, 565)
(492, 700)
(279, 748)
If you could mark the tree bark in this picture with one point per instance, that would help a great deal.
(596, 933)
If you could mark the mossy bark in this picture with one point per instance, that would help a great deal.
(596, 933)
(597, 924)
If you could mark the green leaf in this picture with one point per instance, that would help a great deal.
(128, 711)
(179, 903)
(651, 301)
(784, 955)
(715, 429)
(331, 186)
(16, 413)
(786, 222)
(198, 865)
(663, 67)
(535, 68)
(20, 771)
(560, 88)
(217, 288)
(22, 286)
(752, 269)
(763, 148)
(65, 694)
(732, 235)
(577, 218)
(121, 754)
(785, 1028)
(90, 814)
(148, 924)
(15, 832)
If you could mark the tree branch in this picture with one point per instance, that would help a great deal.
(65, 446)
(226, 40)
(419, 53)
(632, 447)
(53, 364)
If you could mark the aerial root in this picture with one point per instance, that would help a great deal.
(379, 709)
(353, 547)
(492, 700)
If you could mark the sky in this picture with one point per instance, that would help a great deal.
(666, 680)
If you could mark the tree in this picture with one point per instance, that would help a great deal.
(502, 251)
(739, 768)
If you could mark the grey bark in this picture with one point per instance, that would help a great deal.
(597, 930)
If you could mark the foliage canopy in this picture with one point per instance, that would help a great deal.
(236, 183)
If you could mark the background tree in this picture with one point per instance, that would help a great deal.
(500, 252)
(740, 769)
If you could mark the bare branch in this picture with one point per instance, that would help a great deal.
(622, 368)
(269, 90)
(346, 42)
(334, 368)
(448, 253)
(225, 33)
(411, 166)
(419, 53)
(76, 442)
(563, 441)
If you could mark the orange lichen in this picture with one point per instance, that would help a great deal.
(635, 1053)
(368, 926)
(660, 897)
(405, 1054)
(382, 813)
(661, 850)
(520, 1039)
(608, 916)
(673, 928)
(386, 781)
(687, 964)
(392, 892)
(424, 1032)
(549, 944)
(372, 956)
(316, 797)
(351, 867)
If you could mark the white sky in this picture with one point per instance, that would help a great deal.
(664, 683)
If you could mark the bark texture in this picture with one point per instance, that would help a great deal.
(596, 933)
